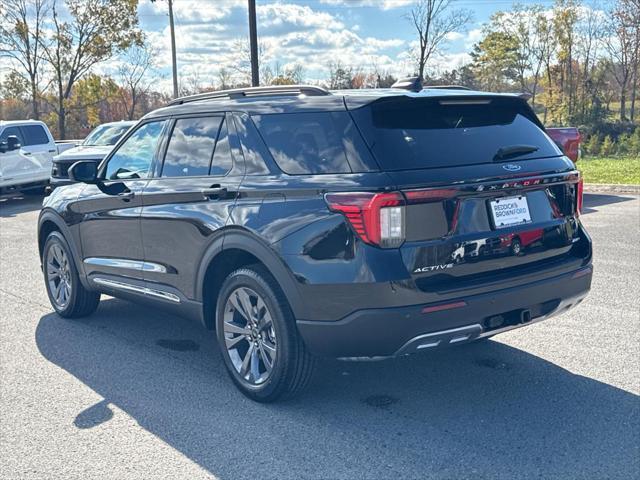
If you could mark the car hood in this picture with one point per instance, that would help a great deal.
(85, 153)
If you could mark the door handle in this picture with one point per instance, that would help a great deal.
(214, 191)
(26, 153)
(126, 196)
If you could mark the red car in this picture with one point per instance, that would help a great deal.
(568, 139)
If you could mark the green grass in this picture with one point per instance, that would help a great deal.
(622, 170)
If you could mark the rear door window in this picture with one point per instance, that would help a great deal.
(35, 135)
(411, 133)
(191, 147)
(222, 161)
(313, 143)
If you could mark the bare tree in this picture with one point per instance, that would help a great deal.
(224, 78)
(625, 27)
(434, 21)
(21, 31)
(138, 62)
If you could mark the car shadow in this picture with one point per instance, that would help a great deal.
(12, 205)
(481, 410)
(591, 201)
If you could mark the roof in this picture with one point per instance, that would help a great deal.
(271, 100)
(119, 122)
(8, 123)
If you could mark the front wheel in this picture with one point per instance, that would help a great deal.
(258, 338)
(66, 293)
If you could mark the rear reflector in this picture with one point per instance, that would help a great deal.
(444, 306)
(377, 218)
(580, 190)
(582, 273)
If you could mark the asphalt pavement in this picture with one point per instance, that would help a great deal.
(133, 393)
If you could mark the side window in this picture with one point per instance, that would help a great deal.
(313, 143)
(11, 131)
(254, 150)
(191, 147)
(35, 135)
(222, 162)
(133, 158)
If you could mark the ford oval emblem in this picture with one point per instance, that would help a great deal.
(511, 167)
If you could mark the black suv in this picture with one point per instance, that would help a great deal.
(298, 222)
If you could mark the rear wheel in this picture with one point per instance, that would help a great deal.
(258, 338)
(66, 293)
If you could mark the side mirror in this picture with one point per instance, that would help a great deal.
(13, 143)
(85, 171)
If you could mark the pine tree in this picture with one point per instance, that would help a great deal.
(608, 147)
(592, 147)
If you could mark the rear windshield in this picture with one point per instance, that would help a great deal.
(409, 133)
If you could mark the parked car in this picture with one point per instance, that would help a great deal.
(568, 139)
(26, 152)
(298, 222)
(95, 147)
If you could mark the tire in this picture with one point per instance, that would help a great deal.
(59, 268)
(274, 329)
(516, 246)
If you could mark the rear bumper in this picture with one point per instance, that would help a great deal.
(404, 330)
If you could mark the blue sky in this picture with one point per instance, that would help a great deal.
(363, 34)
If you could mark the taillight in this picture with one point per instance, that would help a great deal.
(377, 218)
(580, 189)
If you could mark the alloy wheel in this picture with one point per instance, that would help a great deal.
(249, 335)
(59, 276)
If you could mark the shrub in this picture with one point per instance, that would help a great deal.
(623, 144)
(608, 147)
(592, 146)
(634, 143)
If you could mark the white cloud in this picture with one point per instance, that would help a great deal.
(383, 4)
(453, 36)
(289, 34)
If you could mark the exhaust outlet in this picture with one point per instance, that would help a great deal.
(525, 316)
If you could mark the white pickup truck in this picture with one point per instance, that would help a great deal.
(26, 153)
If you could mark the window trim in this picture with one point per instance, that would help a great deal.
(102, 167)
(161, 159)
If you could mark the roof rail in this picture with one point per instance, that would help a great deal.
(310, 90)
(446, 87)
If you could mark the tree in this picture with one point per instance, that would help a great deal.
(137, 63)
(434, 21)
(94, 32)
(625, 27)
(340, 77)
(21, 33)
(494, 61)
(290, 75)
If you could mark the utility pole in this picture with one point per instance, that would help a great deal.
(173, 51)
(253, 41)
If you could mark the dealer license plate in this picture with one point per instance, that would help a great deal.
(510, 211)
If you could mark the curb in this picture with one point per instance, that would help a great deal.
(611, 188)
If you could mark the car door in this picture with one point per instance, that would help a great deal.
(15, 165)
(39, 148)
(110, 211)
(190, 199)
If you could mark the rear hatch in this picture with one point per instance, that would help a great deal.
(488, 196)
